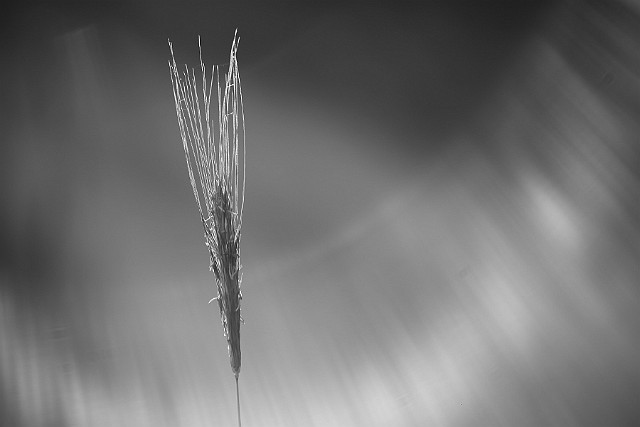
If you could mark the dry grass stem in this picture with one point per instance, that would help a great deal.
(212, 141)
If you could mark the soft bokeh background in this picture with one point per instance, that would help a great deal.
(441, 224)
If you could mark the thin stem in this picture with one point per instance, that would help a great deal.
(238, 400)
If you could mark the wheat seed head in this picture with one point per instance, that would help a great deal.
(212, 141)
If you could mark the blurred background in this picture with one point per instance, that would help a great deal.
(441, 223)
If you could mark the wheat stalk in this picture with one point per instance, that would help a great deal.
(212, 143)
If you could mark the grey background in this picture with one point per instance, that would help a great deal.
(441, 223)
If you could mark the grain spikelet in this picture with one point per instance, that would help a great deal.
(212, 141)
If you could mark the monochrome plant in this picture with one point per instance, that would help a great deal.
(214, 143)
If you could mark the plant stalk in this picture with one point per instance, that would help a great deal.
(238, 400)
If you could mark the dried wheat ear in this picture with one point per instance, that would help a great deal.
(212, 143)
